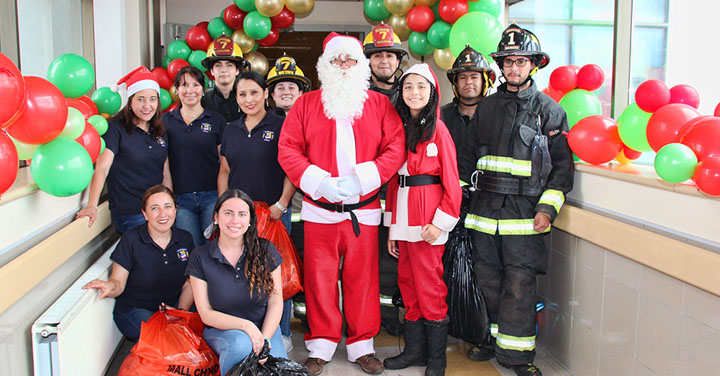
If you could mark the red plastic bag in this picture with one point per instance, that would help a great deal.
(171, 343)
(275, 232)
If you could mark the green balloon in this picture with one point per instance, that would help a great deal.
(72, 74)
(418, 43)
(99, 123)
(632, 127)
(675, 163)
(246, 5)
(102, 145)
(62, 167)
(255, 47)
(579, 104)
(439, 34)
(165, 99)
(436, 10)
(106, 100)
(375, 10)
(178, 49)
(479, 29)
(25, 151)
(491, 7)
(195, 59)
(166, 61)
(75, 124)
(217, 27)
(256, 25)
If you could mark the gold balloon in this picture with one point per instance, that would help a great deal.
(398, 7)
(444, 58)
(400, 26)
(269, 8)
(299, 6)
(258, 62)
(428, 3)
(173, 93)
(243, 41)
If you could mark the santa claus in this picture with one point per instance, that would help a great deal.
(339, 144)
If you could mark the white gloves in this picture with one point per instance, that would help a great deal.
(329, 189)
(350, 183)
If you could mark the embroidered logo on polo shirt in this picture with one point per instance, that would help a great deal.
(182, 254)
(161, 141)
(268, 136)
(205, 127)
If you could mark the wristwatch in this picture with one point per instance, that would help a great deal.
(282, 208)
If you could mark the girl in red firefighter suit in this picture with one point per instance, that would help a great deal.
(422, 207)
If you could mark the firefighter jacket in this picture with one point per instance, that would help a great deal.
(514, 181)
(393, 93)
(456, 123)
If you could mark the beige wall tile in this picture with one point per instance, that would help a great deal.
(560, 279)
(661, 287)
(702, 306)
(616, 360)
(642, 370)
(619, 318)
(591, 255)
(584, 347)
(623, 270)
(699, 346)
(558, 332)
(564, 243)
(543, 285)
(587, 297)
(658, 336)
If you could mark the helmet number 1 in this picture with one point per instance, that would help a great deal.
(467, 58)
(512, 38)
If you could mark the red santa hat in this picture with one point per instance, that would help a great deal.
(139, 79)
(423, 70)
(336, 44)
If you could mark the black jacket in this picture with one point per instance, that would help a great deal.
(456, 123)
(228, 107)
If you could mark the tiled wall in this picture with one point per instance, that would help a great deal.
(608, 315)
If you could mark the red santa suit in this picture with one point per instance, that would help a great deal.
(316, 144)
(409, 208)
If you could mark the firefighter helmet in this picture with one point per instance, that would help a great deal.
(382, 38)
(223, 48)
(285, 69)
(471, 60)
(517, 41)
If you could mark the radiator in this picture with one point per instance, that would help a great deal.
(76, 336)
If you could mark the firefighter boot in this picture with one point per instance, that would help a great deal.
(482, 353)
(437, 332)
(415, 352)
(524, 369)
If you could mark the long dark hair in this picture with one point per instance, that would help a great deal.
(422, 127)
(257, 258)
(127, 118)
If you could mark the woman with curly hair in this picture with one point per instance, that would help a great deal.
(236, 284)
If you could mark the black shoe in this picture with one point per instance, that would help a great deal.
(415, 352)
(481, 353)
(524, 369)
(392, 326)
(437, 333)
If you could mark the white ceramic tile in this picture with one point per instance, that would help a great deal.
(658, 336)
(623, 270)
(584, 347)
(591, 255)
(661, 287)
(587, 297)
(702, 306)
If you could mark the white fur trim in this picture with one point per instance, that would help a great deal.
(344, 44)
(321, 348)
(311, 179)
(312, 213)
(142, 85)
(387, 219)
(423, 70)
(432, 150)
(360, 348)
(444, 221)
(413, 234)
(369, 176)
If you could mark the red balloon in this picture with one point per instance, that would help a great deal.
(717, 110)
(234, 17)
(175, 66)
(595, 139)
(8, 162)
(631, 154)
(172, 106)
(651, 95)
(45, 113)
(451, 10)
(12, 92)
(563, 79)
(81, 106)
(688, 126)
(704, 138)
(162, 77)
(590, 77)
(666, 122)
(685, 94)
(197, 38)
(552, 93)
(203, 25)
(284, 19)
(271, 38)
(420, 18)
(93, 107)
(707, 176)
(90, 140)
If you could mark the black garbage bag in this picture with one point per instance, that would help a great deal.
(272, 367)
(469, 319)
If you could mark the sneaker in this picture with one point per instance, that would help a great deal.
(524, 369)
(314, 366)
(481, 353)
(287, 341)
(370, 364)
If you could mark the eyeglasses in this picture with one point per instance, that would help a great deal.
(507, 63)
(340, 60)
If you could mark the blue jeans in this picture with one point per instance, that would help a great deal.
(286, 220)
(232, 346)
(123, 223)
(285, 321)
(195, 213)
(128, 319)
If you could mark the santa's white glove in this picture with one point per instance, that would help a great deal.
(350, 183)
(329, 189)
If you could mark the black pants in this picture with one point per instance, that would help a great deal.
(388, 277)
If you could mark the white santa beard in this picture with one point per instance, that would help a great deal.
(343, 91)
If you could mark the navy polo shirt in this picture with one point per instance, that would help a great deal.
(253, 158)
(193, 150)
(227, 286)
(156, 275)
(137, 165)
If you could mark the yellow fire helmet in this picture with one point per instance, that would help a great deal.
(223, 48)
(285, 69)
(383, 38)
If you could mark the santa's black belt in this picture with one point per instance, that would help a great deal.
(347, 208)
(507, 186)
(417, 180)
